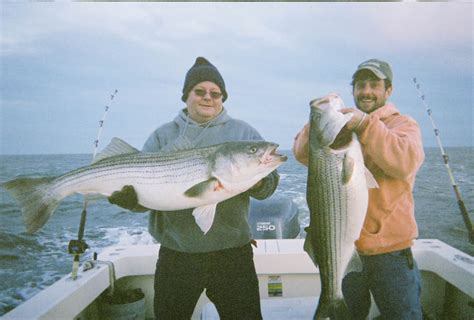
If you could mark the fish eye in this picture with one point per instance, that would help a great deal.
(253, 149)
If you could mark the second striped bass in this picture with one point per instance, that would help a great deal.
(337, 196)
(195, 178)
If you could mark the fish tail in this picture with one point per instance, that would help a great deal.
(35, 198)
(336, 310)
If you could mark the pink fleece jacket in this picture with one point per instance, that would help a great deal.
(393, 152)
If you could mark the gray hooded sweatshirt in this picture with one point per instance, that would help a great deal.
(177, 230)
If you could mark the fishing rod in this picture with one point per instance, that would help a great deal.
(462, 207)
(79, 246)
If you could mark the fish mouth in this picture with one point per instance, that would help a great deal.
(327, 99)
(271, 156)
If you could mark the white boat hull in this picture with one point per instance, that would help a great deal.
(287, 277)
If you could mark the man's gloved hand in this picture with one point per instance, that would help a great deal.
(125, 198)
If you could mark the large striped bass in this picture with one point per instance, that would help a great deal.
(195, 178)
(337, 196)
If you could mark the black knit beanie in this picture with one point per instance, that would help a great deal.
(202, 70)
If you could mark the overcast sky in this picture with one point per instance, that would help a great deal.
(61, 61)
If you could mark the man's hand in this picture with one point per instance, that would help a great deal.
(125, 198)
(358, 118)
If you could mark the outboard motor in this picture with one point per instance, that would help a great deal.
(274, 218)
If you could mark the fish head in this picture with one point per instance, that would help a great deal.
(326, 120)
(331, 101)
(244, 161)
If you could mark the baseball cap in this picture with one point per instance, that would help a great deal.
(378, 67)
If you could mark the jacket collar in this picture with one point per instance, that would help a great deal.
(386, 111)
(182, 119)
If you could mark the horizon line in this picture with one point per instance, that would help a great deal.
(90, 153)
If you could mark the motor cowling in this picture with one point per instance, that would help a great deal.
(274, 218)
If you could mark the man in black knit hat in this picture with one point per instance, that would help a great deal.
(220, 261)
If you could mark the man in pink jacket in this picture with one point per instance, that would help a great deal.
(393, 152)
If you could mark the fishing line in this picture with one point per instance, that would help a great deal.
(462, 207)
(79, 246)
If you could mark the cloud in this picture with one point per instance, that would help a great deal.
(273, 56)
(406, 26)
(21, 30)
(416, 25)
(160, 26)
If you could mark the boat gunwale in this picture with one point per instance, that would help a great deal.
(452, 265)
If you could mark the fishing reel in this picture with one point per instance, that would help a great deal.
(77, 247)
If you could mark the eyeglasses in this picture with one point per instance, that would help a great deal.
(202, 93)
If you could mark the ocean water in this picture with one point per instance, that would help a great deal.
(29, 263)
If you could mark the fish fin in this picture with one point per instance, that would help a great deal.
(35, 199)
(308, 245)
(355, 264)
(204, 216)
(92, 197)
(212, 184)
(347, 169)
(336, 309)
(370, 179)
(114, 148)
(322, 310)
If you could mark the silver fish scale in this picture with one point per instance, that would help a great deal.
(143, 168)
(330, 217)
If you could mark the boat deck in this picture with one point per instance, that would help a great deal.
(289, 282)
(277, 309)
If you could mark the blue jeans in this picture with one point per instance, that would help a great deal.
(395, 283)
